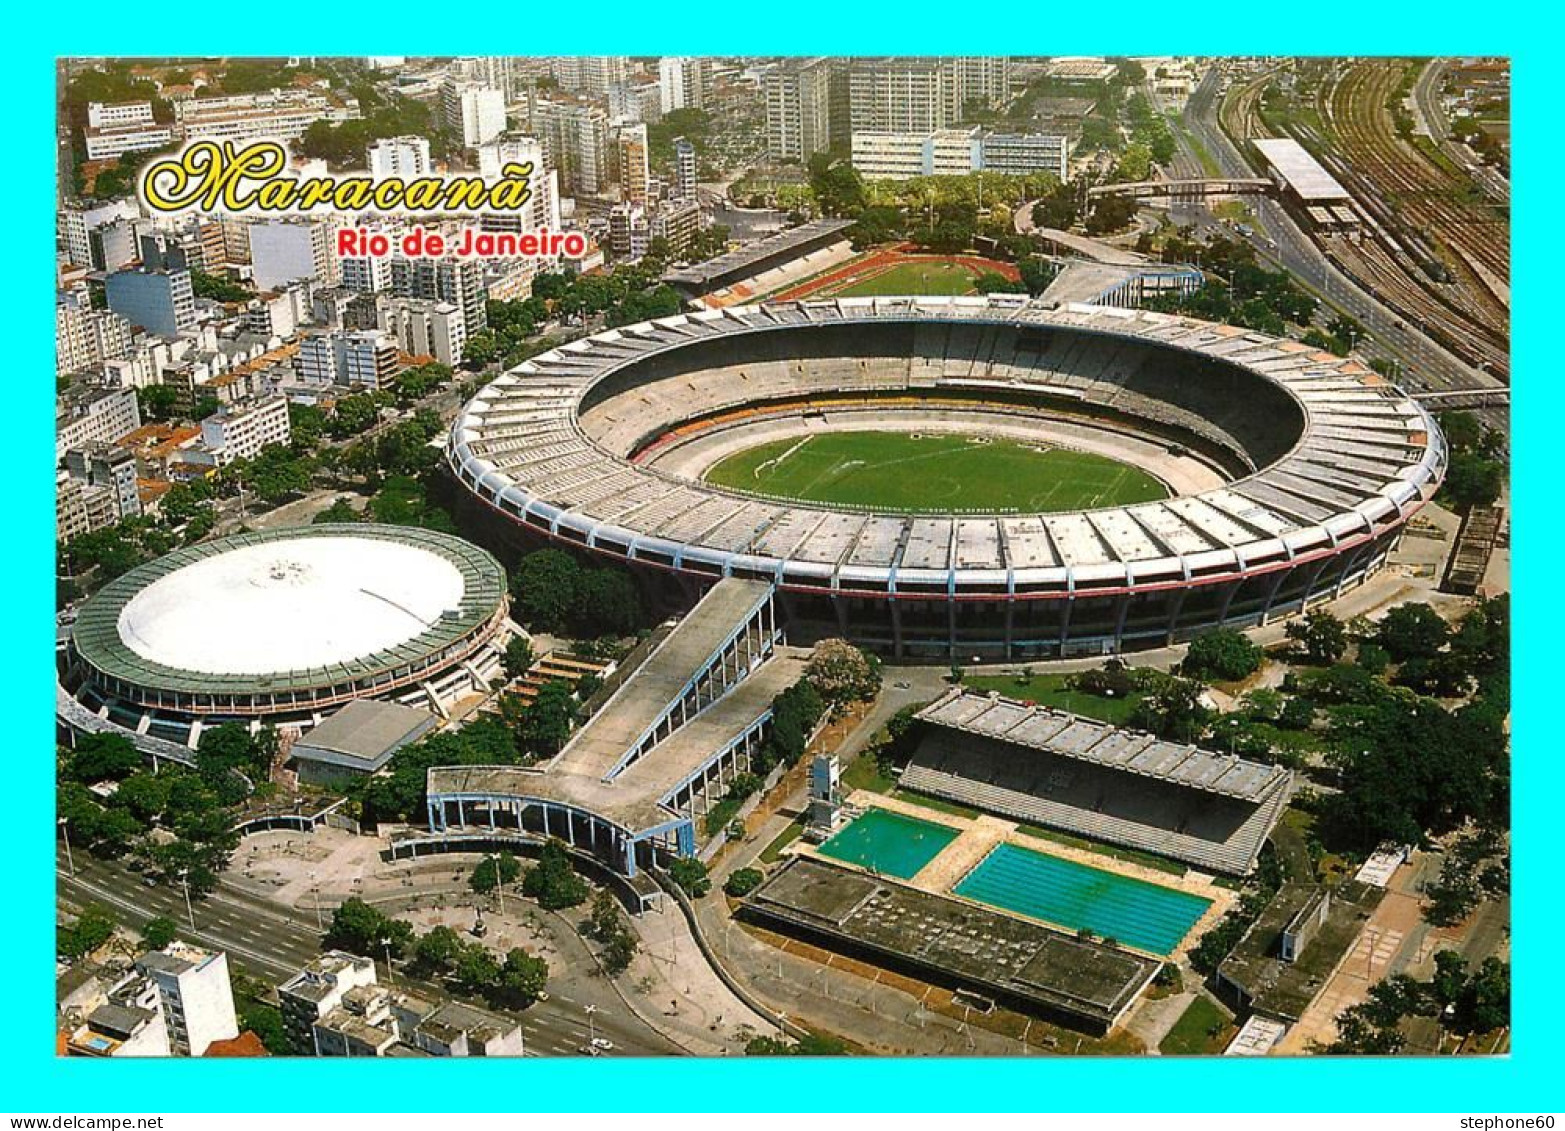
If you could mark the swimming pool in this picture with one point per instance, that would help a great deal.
(1147, 916)
(889, 843)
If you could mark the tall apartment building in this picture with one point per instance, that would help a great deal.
(366, 358)
(681, 82)
(984, 79)
(85, 338)
(576, 136)
(591, 75)
(316, 990)
(282, 251)
(636, 101)
(86, 415)
(425, 328)
(498, 71)
(197, 1000)
(106, 465)
(1020, 154)
(634, 169)
(543, 205)
(684, 169)
(474, 112)
(903, 95)
(459, 282)
(799, 95)
(77, 225)
(404, 157)
(678, 222)
(240, 431)
(160, 301)
(628, 231)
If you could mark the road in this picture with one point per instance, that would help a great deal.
(1425, 365)
(270, 942)
(1432, 117)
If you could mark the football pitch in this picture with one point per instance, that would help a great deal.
(929, 277)
(933, 473)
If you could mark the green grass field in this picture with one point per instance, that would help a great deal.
(1201, 1030)
(931, 278)
(1049, 690)
(932, 473)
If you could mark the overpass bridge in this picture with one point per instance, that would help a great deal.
(1465, 398)
(1197, 189)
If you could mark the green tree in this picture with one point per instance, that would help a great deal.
(1322, 636)
(842, 672)
(1413, 630)
(518, 656)
(494, 871)
(522, 978)
(690, 874)
(93, 928)
(435, 952)
(605, 602)
(158, 932)
(546, 722)
(1222, 653)
(543, 589)
(553, 881)
(743, 881)
(358, 928)
(157, 402)
(266, 1022)
(103, 757)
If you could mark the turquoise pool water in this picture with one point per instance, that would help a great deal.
(1147, 916)
(889, 843)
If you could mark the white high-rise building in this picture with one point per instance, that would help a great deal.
(282, 251)
(404, 157)
(426, 328)
(241, 431)
(474, 112)
(682, 82)
(198, 1002)
(346, 357)
(684, 169)
(543, 205)
(798, 108)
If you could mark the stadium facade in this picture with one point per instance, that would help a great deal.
(282, 627)
(1296, 470)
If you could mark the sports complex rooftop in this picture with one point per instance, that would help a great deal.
(659, 751)
(1357, 457)
(1059, 770)
(1018, 961)
(291, 617)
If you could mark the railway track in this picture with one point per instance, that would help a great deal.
(1435, 214)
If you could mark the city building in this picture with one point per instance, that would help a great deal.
(282, 251)
(640, 101)
(160, 301)
(111, 467)
(542, 210)
(634, 169)
(682, 82)
(425, 327)
(984, 80)
(685, 169)
(85, 338)
(197, 1000)
(358, 739)
(85, 415)
(283, 114)
(474, 112)
(405, 157)
(799, 95)
(628, 231)
(592, 75)
(117, 128)
(577, 137)
(677, 221)
(77, 226)
(316, 990)
(459, 282)
(364, 358)
(957, 152)
(241, 431)
(903, 95)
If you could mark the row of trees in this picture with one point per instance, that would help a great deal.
(552, 592)
(1463, 1001)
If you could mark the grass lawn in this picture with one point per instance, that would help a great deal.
(863, 773)
(1200, 1031)
(933, 473)
(771, 853)
(1050, 691)
(919, 278)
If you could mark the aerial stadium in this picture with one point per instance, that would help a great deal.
(282, 627)
(1217, 475)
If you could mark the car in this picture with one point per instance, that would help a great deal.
(902, 685)
(603, 1044)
